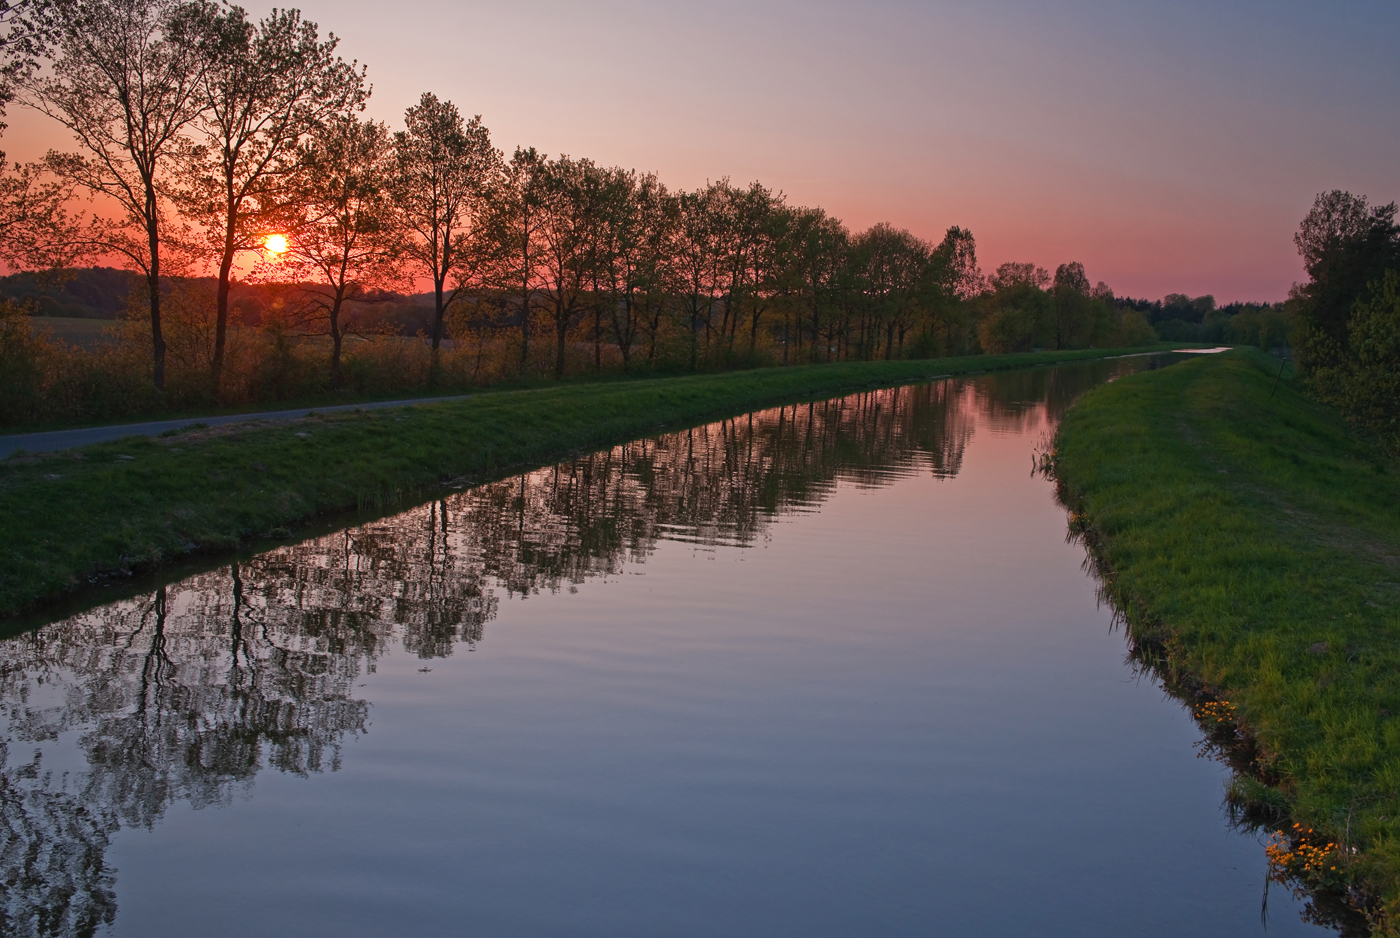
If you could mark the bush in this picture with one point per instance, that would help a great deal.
(1367, 384)
(24, 359)
(1132, 330)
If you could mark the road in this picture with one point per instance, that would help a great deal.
(72, 439)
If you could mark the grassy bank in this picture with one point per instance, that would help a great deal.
(72, 520)
(1253, 544)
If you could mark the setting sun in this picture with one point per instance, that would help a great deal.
(275, 244)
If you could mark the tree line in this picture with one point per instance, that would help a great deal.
(215, 144)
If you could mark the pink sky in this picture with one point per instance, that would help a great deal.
(1170, 147)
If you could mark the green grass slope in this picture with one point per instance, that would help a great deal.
(69, 520)
(1253, 544)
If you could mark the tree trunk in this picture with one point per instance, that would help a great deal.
(694, 334)
(153, 283)
(525, 323)
(216, 368)
(561, 333)
(597, 334)
(437, 312)
(337, 338)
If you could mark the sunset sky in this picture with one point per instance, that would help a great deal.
(1169, 146)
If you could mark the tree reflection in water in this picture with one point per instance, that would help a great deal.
(186, 694)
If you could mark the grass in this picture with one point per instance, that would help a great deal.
(1252, 543)
(72, 521)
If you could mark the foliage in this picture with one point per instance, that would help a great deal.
(1366, 384)
(1349, 310)
(1346, 245)
(23, 360)
(444, 169)
(341, 225)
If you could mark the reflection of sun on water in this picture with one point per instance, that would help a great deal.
(275, 244)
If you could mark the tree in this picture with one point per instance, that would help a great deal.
(510, 236)
(126, 84)
(29, 31)
(574, 192)
(758, 257)
(269, 85)
(1017, 314)
(649, 281)
(1071, 295)
(697, 259)
(444, 169)
(820, 245)
(37, 229)
(1369, 387)
(891, 263)
(959, 252)
(1346, 246)
(950, 278)
(1012, 274)
(341, 223)
(629, 263)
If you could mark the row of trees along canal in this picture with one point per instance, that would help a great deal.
(210, 146)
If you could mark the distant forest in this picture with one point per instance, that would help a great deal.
(1180, 318)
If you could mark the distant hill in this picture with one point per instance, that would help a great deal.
(87, 293)
(102, 292)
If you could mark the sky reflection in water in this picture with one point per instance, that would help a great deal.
(827, 669)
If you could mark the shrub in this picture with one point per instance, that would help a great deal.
(1367, 385)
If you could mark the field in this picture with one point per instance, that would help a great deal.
(86, 334)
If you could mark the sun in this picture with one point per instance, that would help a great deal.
(275, 244)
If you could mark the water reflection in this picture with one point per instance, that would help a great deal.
(187, 693)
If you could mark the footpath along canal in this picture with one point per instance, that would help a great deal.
(825, 669)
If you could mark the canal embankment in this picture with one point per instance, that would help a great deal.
(1251, 542)
(75, 519)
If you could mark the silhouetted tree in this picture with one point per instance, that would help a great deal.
(126, 82)
(1071, 304)
(267, 86)
(511, 249)
(445, 168)
(341, 222)
(573, 203)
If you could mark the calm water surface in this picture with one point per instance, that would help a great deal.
(828, 669)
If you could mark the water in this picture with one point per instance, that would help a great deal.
(828, 669)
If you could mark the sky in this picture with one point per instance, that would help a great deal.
(1168, 146)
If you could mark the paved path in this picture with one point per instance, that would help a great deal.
(71, 439)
